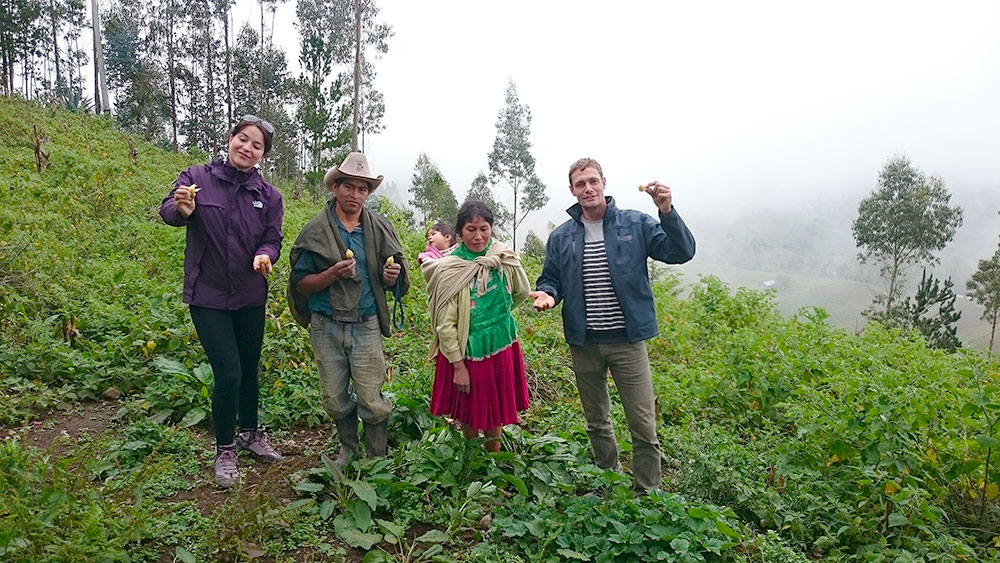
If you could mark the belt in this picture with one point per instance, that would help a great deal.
(361, 318)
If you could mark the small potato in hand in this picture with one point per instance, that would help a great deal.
(262, 264)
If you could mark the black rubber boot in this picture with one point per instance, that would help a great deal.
(375, 437)
(347, 433)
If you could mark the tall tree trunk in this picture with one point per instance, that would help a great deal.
(357, 72)
(55, 47)
(260, 74)
(101, 103)
(890, 297)
(3, 84)
(513, 239)
(993, 332)
(171, 72)
(8, 68)
(229, 86)
(210, 77)
(97, 76)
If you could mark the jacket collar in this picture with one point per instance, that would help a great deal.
(576, 212)
(250, 179)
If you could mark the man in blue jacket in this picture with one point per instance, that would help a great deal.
(596, 263)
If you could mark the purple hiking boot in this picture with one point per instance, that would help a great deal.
(255, 441)
(225, 466)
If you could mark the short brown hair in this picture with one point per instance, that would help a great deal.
(583, 164)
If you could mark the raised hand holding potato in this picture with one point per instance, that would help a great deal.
(661, 196)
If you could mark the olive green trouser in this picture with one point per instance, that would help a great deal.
(629, 366)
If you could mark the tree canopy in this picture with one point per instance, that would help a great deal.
(511, 160)
(904, 221)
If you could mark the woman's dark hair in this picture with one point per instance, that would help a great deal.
(445, 229)
(473, 208)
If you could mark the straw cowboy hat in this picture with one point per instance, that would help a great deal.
(354, 166)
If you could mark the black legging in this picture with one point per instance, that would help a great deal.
(232, 341)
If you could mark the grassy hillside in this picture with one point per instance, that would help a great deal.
(785, 438)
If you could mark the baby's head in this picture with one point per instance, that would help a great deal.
(441, 236)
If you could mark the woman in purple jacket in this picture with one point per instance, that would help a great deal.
(233, 222)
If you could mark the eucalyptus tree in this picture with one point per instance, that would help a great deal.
(202, 122)
(369, 35)
(984, 289)
(511, 159)
(23, 35)
(322, 45)
(904, 221)
(135, 75)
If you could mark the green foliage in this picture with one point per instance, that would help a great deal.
(903, 222)
(851, 446)
(937, 327)
(511, 160)
(783, 438)
(530, 499)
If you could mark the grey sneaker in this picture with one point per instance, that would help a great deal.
(255, 441)
(225, 466)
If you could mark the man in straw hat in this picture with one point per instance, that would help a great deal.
(343, 262)
(608, 311)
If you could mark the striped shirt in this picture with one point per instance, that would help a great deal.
(603, 310)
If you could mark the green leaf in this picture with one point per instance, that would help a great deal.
(309, 487)
(170, 367)
(330, 467)
(699, 513)
(897, 519)
(432, 551)
(473, 490)
(365, 492)
(970, 465)
(326, 509)
(356, 538)
(362, 515)
(680, 545)
(193, 416)
(986, 442)
(161, 415)
(376, 556)
(537, 528)
(516, 481)
(570, 554)
(394, 529)
(184, 555)
(725, 530)
(434, 536)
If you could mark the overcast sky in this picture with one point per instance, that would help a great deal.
(735, 105)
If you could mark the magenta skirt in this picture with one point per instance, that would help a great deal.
(497, 390)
